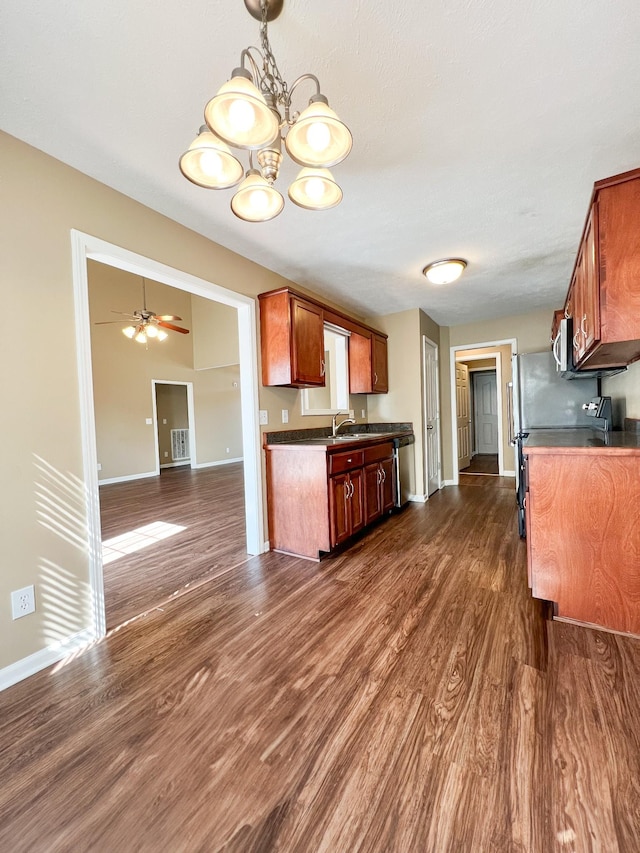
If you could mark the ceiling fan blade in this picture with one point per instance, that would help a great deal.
(172, 327)
(124, 313)
(165, 317)
(108, 322)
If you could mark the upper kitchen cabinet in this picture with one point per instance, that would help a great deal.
(292, 340)
(368, 373)
(292, 344)
(604, 295)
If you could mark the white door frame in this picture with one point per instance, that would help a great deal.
(454, 435)
(191, 419)
(84, 247)
(425, 455)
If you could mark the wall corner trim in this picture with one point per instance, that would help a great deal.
(40, 660)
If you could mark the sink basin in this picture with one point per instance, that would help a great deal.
(352, 436)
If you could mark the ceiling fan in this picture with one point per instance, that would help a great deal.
(145, 324)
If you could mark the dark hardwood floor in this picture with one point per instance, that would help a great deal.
(406, 695)
(208, 503)
(483, 463)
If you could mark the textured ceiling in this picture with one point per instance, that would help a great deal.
(479, 128)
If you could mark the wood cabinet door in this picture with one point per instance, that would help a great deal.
(387, 486)
(339, 514)
(307, 343)
(356, 500)
(372, 507)
(586, 320)
(380, 377)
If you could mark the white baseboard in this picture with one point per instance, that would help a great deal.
(22, 669)
(419, 499)
(220, 462)
(508, 474)
(449, 483)
(176, 464)
(127, 478)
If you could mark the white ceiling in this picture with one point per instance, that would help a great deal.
(479, 128)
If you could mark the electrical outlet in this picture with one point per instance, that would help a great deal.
(227, 450)
(23, 602)
(99, 466)
(164, 421)
(166, 454)
(148, 421)
(264, 417)
(285, 416)
(363, 415)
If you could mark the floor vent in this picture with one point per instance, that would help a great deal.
(179, 444)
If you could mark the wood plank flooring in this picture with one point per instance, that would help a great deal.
(483, 463)
(208, 502)
(406, 695)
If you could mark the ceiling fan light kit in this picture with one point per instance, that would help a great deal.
(251, 111)
(145, 324)
(445, 271)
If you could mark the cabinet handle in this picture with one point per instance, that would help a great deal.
(575, 340)
(353, 488)
(322, 367)
(375, 378)
(583, 325)
(384, 475)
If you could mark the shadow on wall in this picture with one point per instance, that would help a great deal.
(65, 604)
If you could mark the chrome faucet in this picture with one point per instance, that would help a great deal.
(335, 426)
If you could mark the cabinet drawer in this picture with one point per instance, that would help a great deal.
(339, 462)
(378, 452)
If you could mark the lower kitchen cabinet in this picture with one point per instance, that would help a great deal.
(583, 534)
(379, 488)
(346, 506)
(318, 497)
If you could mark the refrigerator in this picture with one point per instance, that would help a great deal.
(541, 399)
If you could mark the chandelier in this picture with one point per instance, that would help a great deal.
(253, 111)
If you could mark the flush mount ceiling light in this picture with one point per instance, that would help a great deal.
(445, 271)
(251, 112)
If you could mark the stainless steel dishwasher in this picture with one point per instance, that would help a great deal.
(404, 458)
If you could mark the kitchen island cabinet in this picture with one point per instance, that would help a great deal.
(583, 525)
(321, 491)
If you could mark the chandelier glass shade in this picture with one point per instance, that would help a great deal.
(315, 189)
(256, 200)
(209, 162)
(253, 112)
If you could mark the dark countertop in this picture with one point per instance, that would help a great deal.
(581, 440)
(321, 438)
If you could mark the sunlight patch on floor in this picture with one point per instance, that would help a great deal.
(136, 540)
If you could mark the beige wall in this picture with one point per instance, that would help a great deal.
(404, 402)
(531, 332)
(215, 334)
(42, 515)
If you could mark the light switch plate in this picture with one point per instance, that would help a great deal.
(264, 417)
(285, 416)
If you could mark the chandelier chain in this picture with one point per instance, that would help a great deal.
(272, 79)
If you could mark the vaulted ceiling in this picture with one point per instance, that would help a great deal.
(479, 128)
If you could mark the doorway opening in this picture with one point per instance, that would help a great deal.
(467, 360)
(86, 248)
(173, 424)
